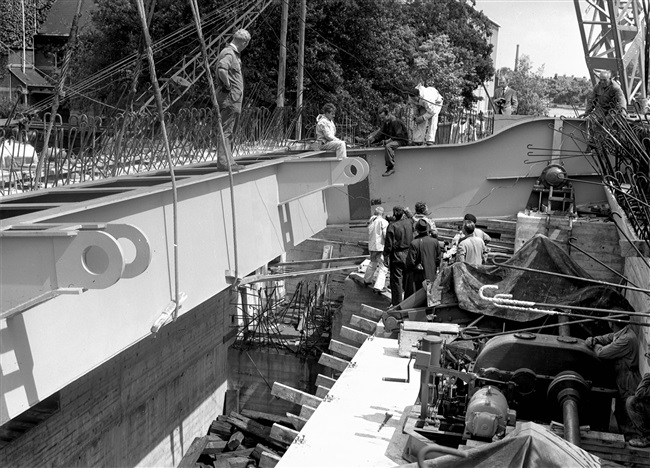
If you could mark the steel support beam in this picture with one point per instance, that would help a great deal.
(110, 241)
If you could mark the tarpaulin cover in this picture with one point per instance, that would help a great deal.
(461, 282)
(528, 446)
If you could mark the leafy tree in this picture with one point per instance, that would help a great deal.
(360, 54)
(11, 32)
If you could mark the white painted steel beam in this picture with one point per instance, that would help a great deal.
(111, 243)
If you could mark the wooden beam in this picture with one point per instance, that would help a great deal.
(325, 381)
(234, 453)
(235, 441)
(274, 418)
(363, 323)
(306, 411)
(248, 425)
(342, 348)
(333, 362)
(282, 434)
(294, 396)
(268, 460)
(321, 392)
(354, 335)
(232, 401)
(370, 312)
(297, 421)
(193, 452)
(237, 462)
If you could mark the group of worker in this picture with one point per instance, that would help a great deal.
(406, 246)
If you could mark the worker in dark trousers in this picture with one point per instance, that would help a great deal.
(398, 239)
(423, 258)
(620, 347)
(638, 409)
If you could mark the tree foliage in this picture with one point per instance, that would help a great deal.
(11, 31)
(360, 54)
(535, 92)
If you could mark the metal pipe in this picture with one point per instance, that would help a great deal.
(427, 449)
(571, 420)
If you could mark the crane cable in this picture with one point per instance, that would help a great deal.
(222, 138)
(161, 116)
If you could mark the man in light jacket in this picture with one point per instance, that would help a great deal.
(376, 237)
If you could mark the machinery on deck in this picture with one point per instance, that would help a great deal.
(519, 376)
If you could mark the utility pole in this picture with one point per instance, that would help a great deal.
(301, 66)
(282, 67)
(22, 9)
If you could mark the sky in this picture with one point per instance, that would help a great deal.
(546, 30)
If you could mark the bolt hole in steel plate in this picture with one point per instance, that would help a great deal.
(95, 260)
(525, 336)
(353, 169)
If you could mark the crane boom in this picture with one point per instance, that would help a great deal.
(613, 38)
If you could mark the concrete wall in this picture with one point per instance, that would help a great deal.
(143, 407)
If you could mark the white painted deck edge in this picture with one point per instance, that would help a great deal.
(343, 432)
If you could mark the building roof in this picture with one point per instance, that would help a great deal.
(59, 18)
(30, 77)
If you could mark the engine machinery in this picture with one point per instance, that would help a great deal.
(527, 376)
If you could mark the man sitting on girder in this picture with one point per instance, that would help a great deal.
(606, 96)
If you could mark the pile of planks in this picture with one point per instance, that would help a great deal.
(241, 440)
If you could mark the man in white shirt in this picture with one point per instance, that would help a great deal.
(376, 236)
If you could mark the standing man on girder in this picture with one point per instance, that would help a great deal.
(230, 94)
(606, 96)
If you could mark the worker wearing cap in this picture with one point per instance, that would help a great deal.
(422, 259)
(620, 347)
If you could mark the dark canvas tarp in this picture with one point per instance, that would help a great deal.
(528, 446)
(461, 282)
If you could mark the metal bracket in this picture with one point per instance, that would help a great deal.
(60, 259)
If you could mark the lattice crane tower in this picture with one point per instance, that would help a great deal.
(613, 38)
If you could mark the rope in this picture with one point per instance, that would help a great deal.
(161, 117)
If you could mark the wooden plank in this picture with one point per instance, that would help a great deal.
(370, 312)
(220, 428)
(249, 425)
(306, 411)
(274, 418)
(325, 381)
(193, 452)
(283, 434)
(447, 328)
(297, 421)
(259, 449)
(333, 362)
(354, 335)
(342, 348)
(235, 453)
(321, 392)
(294, 396)
(214, 445)
(238, 462)
(363, 323)
(235, 441)
(268, 460)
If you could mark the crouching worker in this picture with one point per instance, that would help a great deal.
(392, 135)
(621, 348)
(638, 409)
(326, 132)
